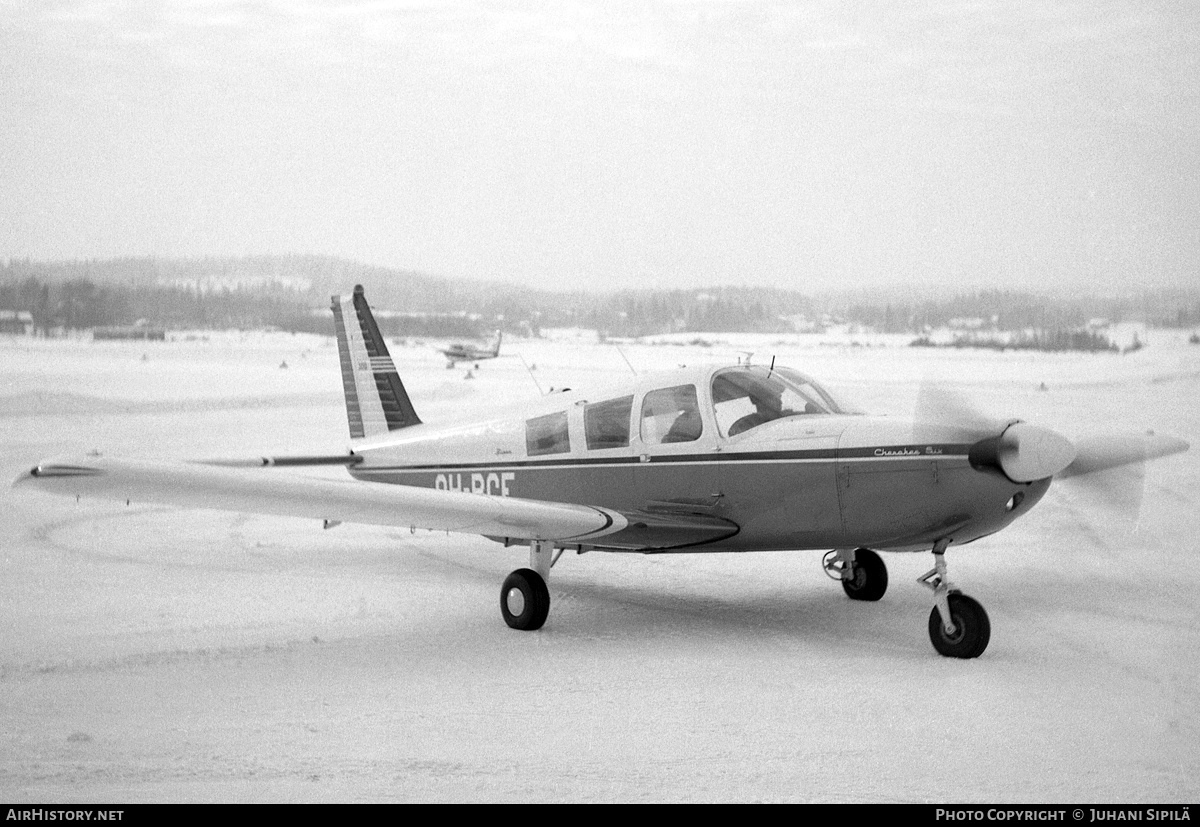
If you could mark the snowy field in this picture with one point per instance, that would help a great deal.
(151, 654)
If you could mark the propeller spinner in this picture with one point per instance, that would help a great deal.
(1024, 452)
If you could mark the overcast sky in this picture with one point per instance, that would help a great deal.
(813, 145)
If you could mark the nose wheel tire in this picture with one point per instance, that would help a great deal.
(870, 577)
(524, 600)
(972, 629)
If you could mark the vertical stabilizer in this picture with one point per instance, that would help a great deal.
(496, 347)
(376, 401)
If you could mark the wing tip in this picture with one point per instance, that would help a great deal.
(54, 470)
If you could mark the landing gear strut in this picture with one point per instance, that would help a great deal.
(958, 625)
(863, 574)
(524, 597)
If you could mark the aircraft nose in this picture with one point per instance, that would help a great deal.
(1024, 452)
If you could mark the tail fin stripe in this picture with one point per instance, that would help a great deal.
(376, 401)
(349, 386)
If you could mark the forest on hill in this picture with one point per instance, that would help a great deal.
(292, 293)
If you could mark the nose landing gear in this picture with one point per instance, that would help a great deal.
(972, 629)
(958, 625)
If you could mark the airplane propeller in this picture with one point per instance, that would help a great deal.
(1108, 467)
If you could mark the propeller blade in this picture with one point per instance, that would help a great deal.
(940, 407)
(1114, 495)
(1111, 469)
(1114, 450)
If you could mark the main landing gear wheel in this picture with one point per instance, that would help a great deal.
(972, 629)
(869, 579)
(525, 600)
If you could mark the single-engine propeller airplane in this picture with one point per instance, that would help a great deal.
(460, 352)
(731, 458)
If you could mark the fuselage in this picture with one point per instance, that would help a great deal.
(460, 352)
(465, 353)
(699, 442)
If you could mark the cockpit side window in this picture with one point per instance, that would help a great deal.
(744, 398)
(671, 415)
(812, 391)
(606, 424)
(547, 435)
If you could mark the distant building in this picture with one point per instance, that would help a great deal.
(802, 324)
(140, 331)
(19, 322)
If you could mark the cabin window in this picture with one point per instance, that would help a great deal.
(547, 435)
(606, 424)
(744, 398)
(671, 415)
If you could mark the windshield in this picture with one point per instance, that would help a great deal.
(748, 396)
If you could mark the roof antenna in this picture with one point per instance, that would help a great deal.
(772, 368)
(531, 376)
(623, 356)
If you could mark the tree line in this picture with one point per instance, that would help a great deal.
(80, 304)
(292, 293)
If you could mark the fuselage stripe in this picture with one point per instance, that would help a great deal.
(856, 455)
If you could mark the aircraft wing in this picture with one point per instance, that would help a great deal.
(264, 491)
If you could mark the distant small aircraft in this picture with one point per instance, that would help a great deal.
(727, 458)
(460, 352)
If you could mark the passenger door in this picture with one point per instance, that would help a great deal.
(676, 447)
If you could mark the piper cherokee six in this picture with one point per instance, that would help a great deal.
(460, 352)
(727, 458)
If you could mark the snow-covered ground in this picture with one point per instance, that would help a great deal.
(152, 654)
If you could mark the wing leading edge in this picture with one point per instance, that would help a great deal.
(259, 491)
